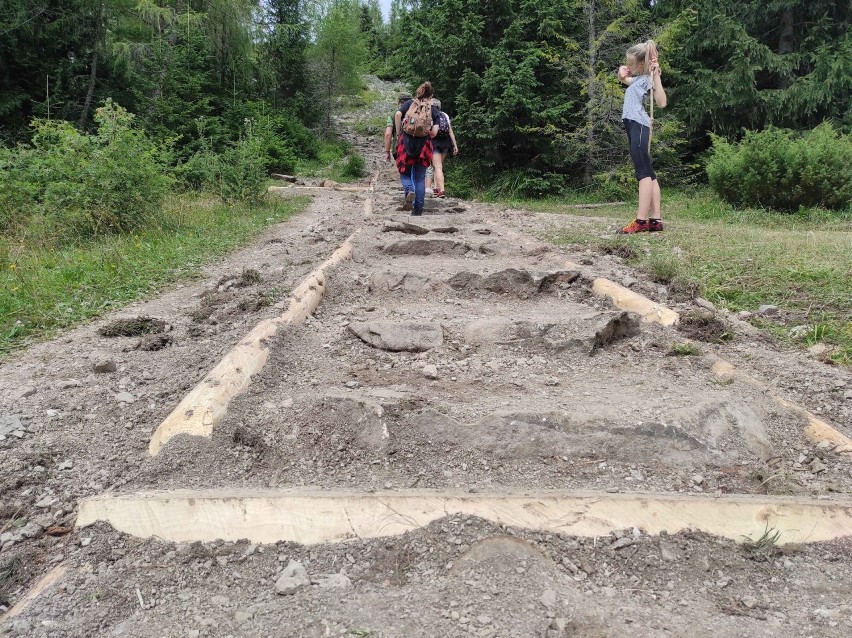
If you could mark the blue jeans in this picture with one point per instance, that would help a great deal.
(416, 181)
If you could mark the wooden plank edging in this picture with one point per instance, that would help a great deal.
(208, 401)
(817, 429)
(312, 516)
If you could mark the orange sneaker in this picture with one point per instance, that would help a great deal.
(655, 225)
(636, 226)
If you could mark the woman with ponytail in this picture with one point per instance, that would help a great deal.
(641, 74)
(417, 119)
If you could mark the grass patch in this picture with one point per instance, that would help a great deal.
(738, 258)
(372, 126)
(685, 350)
(336, 161)
(45, 288)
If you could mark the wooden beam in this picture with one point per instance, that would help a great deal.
(312, 516)
(207, 403)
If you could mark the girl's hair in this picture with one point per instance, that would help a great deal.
(639, 52)
(424, 91)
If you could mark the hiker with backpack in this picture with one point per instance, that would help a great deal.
(641, 74)
(443, 144)
(417, 119)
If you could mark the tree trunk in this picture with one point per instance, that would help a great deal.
(591, 88)
(330, 89)
(93, 71)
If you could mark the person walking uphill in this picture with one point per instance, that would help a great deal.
(418, 121)
(443, 144)
(641, 75)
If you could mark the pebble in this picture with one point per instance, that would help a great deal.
(548, 598)
(703, 303)
(66, 465)
(621, 543)
(818, 466)
(242, 617)
(697, 479)
(430, 371)
(104, 366)
(767, 310)
(353, 385)
(292, 579)
(749, 602)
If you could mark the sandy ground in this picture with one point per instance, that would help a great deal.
(489, 378)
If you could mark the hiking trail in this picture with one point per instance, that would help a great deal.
(446, 426)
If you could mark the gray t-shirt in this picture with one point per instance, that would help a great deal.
(634, 109)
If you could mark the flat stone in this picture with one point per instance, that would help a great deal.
(623, 542)
(334, 581)
(818, 349)
(404, 227)
(767, 310)
(66, 465)
(10, 423)
(420, 247)
(125, 397)
(403, 336)
(242, 617)
(548, 598)
(70, 383)
(31, 530)
(703, 303)
(104, 366)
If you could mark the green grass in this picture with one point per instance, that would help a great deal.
(336, 161)
(738, 258)
(685, 350)
(375, 125)
(44, 288)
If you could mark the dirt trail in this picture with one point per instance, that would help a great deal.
(457, 352)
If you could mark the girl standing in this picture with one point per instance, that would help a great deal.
(641, 75)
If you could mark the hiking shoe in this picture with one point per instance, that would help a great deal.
(655, 225)
(409, 198)
(636, 226)
(417, 212)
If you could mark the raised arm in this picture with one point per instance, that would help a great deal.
(624, 75)
(659, 92)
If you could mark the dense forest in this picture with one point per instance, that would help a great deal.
(531, 85)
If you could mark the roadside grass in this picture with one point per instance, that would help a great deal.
(335, 160)
(737, 258)
(371, 126)
(44, 288)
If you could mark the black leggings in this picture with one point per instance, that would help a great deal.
(639, 135)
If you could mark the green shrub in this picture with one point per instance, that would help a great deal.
(241, 172)
(354, 167)
(781, 169)
(69, 185)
